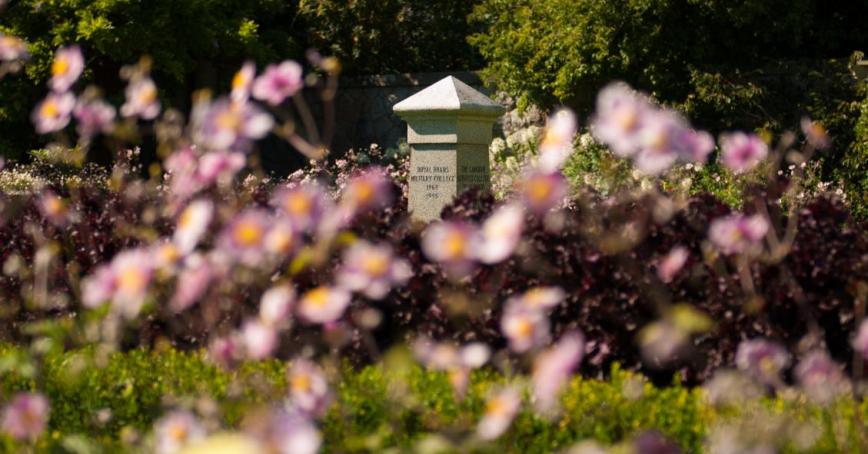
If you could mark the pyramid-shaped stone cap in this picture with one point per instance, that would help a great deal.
(449, 95)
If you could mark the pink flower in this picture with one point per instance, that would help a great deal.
(176, 430)
(538, 299)
(372, 269)
(225, 351)
(737, 233)
(501, 233)
(133, 271)
(741, 152)
(619, 116)
(457, 362)
(287, 432)
(166, 256)
(860, 342)
(453, 244)
(525, 329)
(762, 359)
(308, 387)
(303, 205)
(233, 125)
(12, 49)
(278, 82)
(820, 377)
(672, 263)
(276, 305)
(323, 304)
(244, 238)
(142, 100)
(259, 339)
(369, 190)
(94, 116)
(53, 113)
(192, 224)
(98, 288)
(219, 167)
(543, 191)
(657, 142)
(26, 416)
(557, 143)
(66, 68)
(243, 82)
(500, 409)
(815, 134)
(192, 283)
(54, 209)
(694, 146)
(553, 368)
(281, 239)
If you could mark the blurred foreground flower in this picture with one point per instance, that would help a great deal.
(176, 430)
(308, 387)
(53, 113)
(372, 269)
(501, 233)
(124, 282)
(741, 152)
(672, 263)
(763, 360)
(323, 304)
(66, 68)
(557, 143)
(552, 370)
(543, 191)
(25, 416)
(653, 137)
(500, 410)
(141, 99)
(452, 244)
(820, 377)
(278, 82)
(94, 116)
(737, 233)
(860, 342)
(12, 49)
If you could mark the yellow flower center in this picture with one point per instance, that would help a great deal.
(229, 120)
(627, 119)
(239, 81)
(280, 241)
(363, 191)
(298, 204)
(317, 297)
(49, 109)
(523, 327)
(495, 407)
(147, 94)
(169, 253)
(178, 432)
(301, 383)
(53, 206)
(131, 280)
(248, 234)
(539, 189)
(59, 67)
(455, 244)
(376, 264)
(186, 218)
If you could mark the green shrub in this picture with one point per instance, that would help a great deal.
(393, 405)
(382, 36)
(854, 166)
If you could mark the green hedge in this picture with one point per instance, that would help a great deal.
(394, 405)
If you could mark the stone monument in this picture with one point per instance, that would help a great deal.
(449, 131)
